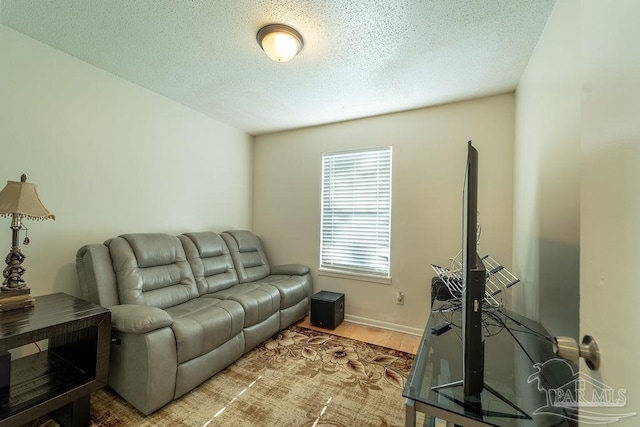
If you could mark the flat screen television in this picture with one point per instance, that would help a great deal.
(474, 277)
(474, 280)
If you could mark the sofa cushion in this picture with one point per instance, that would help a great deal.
(210, 261)
(203, 324)
(95, 273)
(248, 255)
(151, 269)
(259, 301)
(293, 289)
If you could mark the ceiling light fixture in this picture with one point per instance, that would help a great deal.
(280, 42)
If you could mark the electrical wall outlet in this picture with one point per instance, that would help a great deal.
(400, 298)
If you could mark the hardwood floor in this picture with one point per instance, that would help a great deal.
(383, 337)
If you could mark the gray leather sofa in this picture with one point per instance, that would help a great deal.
(185, 307)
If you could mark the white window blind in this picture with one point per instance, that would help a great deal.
(356, 212)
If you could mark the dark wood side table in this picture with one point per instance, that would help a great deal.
(57, 381)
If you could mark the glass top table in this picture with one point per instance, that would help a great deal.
(521, 373)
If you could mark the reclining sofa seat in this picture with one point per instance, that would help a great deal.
(217, 279)
(293, 281)
(233, 266)
(185, 307)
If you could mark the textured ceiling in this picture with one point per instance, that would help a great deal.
(360, 58)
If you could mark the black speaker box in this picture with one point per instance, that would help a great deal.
(327, 309)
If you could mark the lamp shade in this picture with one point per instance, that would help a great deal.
(21, 198)
(280, 42)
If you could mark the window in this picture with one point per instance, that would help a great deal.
(356, 212)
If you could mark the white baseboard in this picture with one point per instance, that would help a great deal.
(383, 325)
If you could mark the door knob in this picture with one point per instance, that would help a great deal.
(568, 348)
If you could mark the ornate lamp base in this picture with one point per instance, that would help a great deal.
(14, 270)
(14, 293)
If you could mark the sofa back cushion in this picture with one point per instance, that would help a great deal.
(96, 277)
(210, 261)
(151, 269)
(248, 255)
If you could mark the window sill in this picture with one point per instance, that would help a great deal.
(354, 276)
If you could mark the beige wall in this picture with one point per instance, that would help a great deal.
(429, 153)
(547, 177)
(109, 157)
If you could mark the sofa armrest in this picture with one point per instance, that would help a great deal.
(290, 270)
(138, 319)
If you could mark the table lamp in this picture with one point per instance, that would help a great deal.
(18, 200)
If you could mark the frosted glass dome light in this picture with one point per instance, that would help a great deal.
(280, 42)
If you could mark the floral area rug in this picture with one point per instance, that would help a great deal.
(300, 377)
